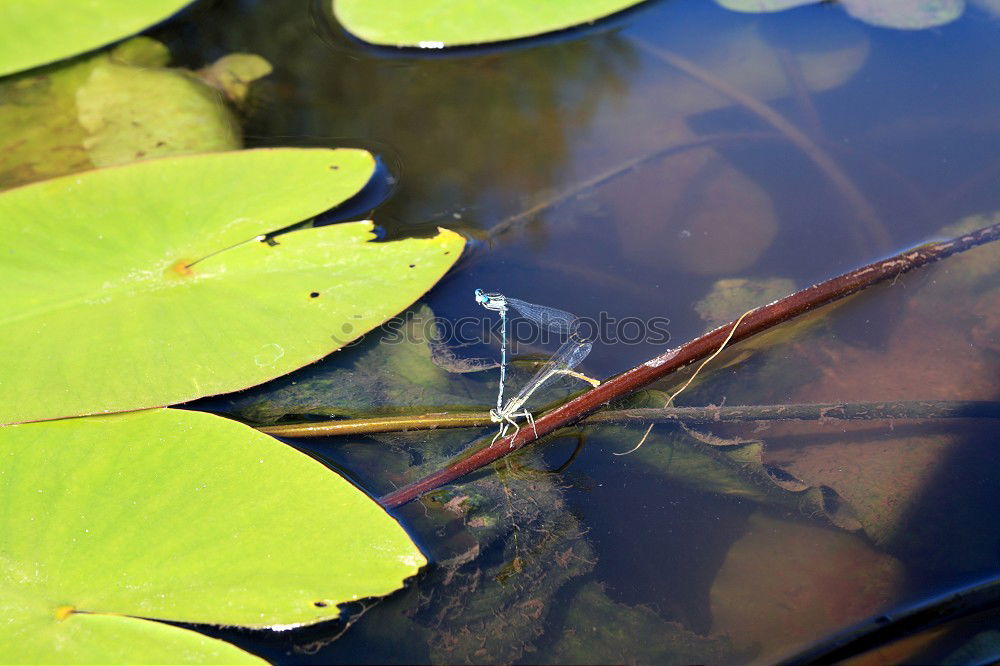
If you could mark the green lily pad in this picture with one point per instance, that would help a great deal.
(37, 32)
(115, 107)
(152, 283)
(441, 23)
(112, 521)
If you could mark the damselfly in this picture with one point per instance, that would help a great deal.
(568, 356)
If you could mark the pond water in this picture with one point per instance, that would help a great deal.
(636, 169)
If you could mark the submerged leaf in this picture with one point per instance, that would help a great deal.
(134, 113)
(784, 584)
(178, 516)
(37, 32)
(731, 297)
(925, 495)
(395, 369)
(737, 468)
(151, 284)
(442, 23)
(115, 107)
(612, 640)
(233, 74)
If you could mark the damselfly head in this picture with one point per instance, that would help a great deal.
(496, 302)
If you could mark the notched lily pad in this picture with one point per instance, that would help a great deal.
(155, 283)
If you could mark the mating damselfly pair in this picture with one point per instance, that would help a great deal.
(568, 356)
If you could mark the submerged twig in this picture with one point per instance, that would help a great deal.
(847, 411)
(380, 424)
(656, 368)
(862, 207)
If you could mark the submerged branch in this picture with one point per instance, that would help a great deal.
(639, 377)
(380, 424)
(848, 411)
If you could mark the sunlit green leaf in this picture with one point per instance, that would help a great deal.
(181, 516)
(36, 32)
(151, 284)
(441, 23)
(119, 106)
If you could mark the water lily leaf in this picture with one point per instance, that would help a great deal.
(115, 107)
(441, 23)
(43, 31)
(180, 516)
(150, 284)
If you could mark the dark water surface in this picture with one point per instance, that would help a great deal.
(894, 135)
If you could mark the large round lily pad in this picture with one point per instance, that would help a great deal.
(36, 32)
(174, 515)
(151, 284)
(441, 23)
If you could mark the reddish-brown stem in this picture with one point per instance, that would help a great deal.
(656, 368)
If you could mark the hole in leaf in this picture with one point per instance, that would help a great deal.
(413, 265)
(314, 294)
(320, 604)
(334, 167)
